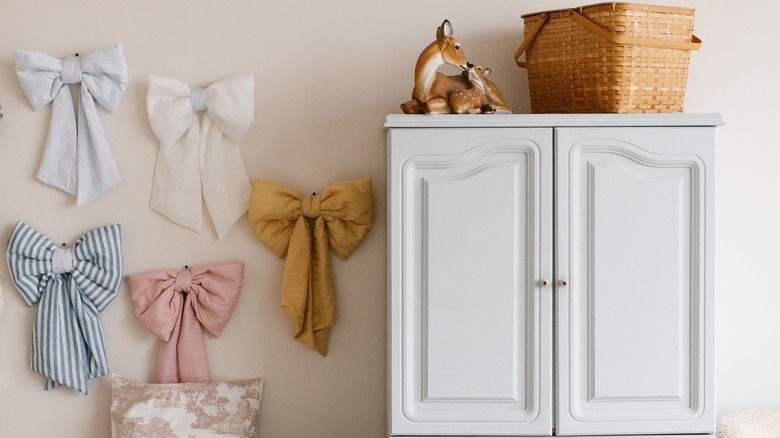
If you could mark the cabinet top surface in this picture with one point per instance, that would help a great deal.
(549, 120)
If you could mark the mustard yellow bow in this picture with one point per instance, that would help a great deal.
(342, 216)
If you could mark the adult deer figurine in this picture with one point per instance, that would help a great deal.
(431, 88)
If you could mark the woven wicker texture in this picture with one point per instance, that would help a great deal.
(573, 69)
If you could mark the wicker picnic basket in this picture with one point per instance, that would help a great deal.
(608, 58)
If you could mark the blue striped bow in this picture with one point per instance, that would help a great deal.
(73, 286)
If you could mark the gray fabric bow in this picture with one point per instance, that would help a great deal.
(77, 158)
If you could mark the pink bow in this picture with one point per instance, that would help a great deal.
(174, 304)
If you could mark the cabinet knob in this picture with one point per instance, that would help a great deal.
(543, 282)
(564, 282)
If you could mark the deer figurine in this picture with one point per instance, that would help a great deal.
(496, 100)
(482, 97)
(471, 100)
(431, 88)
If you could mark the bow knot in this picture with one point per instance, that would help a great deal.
(62, 261)
(201, 160)
(344, 214)
(71, 70)
(77, 157)
(174, 305)
(183, 281)
(67, 342)
(310, 206)
(198, 99)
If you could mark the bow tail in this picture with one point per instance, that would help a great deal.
(226, 185)
(59, 163)
(295, 283)
(98, 170)
(62, 363)
(322, 289)
(176, 191)
(193, 362)
(91, 330)
(167, 369)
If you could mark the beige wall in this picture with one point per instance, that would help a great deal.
(326, 75)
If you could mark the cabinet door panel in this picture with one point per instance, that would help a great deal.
(471, 329)
(634, 210)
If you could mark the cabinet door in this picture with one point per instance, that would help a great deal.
(634, 243)
(470, 239)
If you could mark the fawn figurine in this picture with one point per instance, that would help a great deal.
(471, 100)
(496, 100)
(481, 97)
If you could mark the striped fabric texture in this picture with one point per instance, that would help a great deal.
(73, 285)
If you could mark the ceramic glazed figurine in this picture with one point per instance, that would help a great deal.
(473, 99)
(431, 88)
(482, 96)
(496, 100)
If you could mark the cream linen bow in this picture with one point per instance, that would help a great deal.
(175, 304)
(201, 160)
(342, 216)
(77, 157)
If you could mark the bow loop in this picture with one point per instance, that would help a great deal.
(73, 287)
(77, 158)
(30, 264)
(39, 76)
(216, 289)
(156, 301)
(175, 304)
(348, 222)
(230, 103)
(201, 160)
(97, 265)
(169, 109)
(274, 211)
(342, 215)
(104, 73)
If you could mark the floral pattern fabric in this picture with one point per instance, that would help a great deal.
(190, 410)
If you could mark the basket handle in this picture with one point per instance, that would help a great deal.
(529, 39)
(694, 44)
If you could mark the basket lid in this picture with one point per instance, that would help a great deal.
(617, 6)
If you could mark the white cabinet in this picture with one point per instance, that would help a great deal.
(551, 275)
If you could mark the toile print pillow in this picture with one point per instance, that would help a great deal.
(196, 409)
